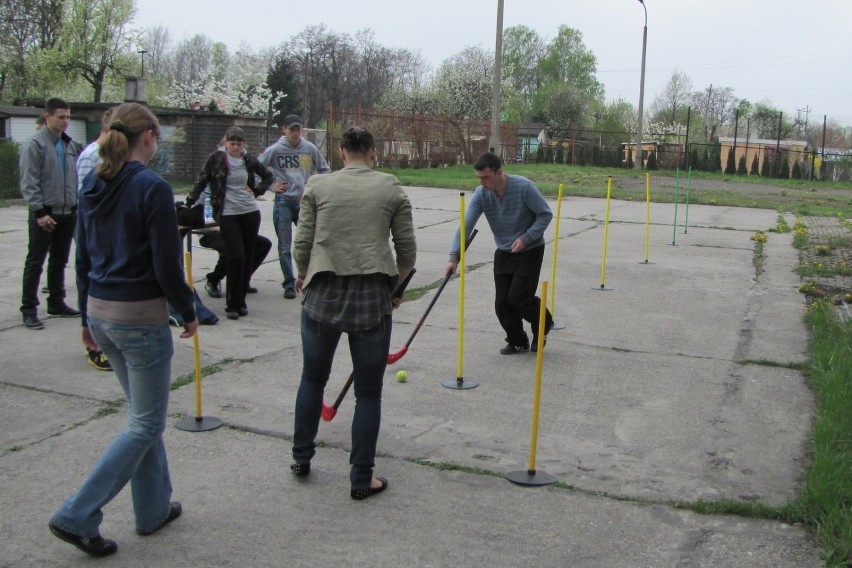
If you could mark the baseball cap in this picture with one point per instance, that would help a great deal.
(292, 120)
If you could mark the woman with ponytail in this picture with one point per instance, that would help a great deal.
(128, 268)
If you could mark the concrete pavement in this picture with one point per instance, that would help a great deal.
(653, 393)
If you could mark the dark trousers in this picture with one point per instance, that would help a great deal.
(240, 234)
(516, 280)
(214, 240)
(55, 246)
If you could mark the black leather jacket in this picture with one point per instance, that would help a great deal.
(215, 174)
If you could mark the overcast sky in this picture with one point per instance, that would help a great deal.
(797, 55)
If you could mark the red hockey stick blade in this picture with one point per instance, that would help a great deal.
(328, 412)
(396, 356)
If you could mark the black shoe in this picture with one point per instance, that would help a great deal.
(63, 311)
(242, 312)
(98, 360)
(534, 344)
(214, 288)
(361, 494)
(95, 546)
(32, 322)
(251, 290)
(300, 469)
(231, 315)
(174, 512)
(512, 349)
(289, 293)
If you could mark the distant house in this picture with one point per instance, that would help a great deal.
(629, 148)
(530, 135)
(796, 150)
(18, 123)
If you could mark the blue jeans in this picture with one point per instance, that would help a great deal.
(369, 349)
(141, 358)
(285, 214)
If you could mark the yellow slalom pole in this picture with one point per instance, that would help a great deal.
(555, 249)
(462, 238)
(198, 423)
(606, 230)
(647, 215)
(187, 260)
(538, 367)
(531, 477)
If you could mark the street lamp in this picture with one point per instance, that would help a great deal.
(142, 52)
(638, 155)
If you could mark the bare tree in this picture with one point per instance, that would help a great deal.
(157, 42)
(674, 97)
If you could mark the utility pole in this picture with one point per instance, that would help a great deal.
(807, 111)
(638, 162)
(494, 141)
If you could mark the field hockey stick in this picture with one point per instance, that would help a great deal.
(328, 412)
(396, 356)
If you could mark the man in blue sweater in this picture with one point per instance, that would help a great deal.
(518, 216)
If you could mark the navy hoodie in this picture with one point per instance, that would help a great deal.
(128, 245)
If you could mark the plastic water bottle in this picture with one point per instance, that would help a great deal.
(208, 210)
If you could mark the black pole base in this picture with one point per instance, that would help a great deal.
(459, 384)
(603, 288)
(198, 424)
(530, 478)
(646, 262)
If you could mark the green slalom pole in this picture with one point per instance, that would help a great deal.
(688, 188)
(677, 198)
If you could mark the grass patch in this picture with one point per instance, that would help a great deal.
(826, 502)
(799, 196)
(824, 269)
(217, 367)
(110, 408)
(796, 365)
(759, 258)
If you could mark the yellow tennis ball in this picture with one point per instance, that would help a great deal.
(401, 376)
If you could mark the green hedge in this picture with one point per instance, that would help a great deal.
(9, 171)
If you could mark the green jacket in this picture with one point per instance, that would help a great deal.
(345, 221)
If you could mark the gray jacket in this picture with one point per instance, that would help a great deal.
(43, 186)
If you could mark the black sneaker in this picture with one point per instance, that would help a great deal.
(512, 349)
(251, 290)
(95, 546)
(32, 322)
(63, 311)
(242, 312)
(289, 293)
(214, 288)
(175, 511)
(534, 344)
(98, 360)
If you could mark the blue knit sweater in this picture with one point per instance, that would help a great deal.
(521, 213)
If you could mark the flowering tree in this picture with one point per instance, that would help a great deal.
(234, 84)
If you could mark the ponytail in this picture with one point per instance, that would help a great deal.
(128, 122)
